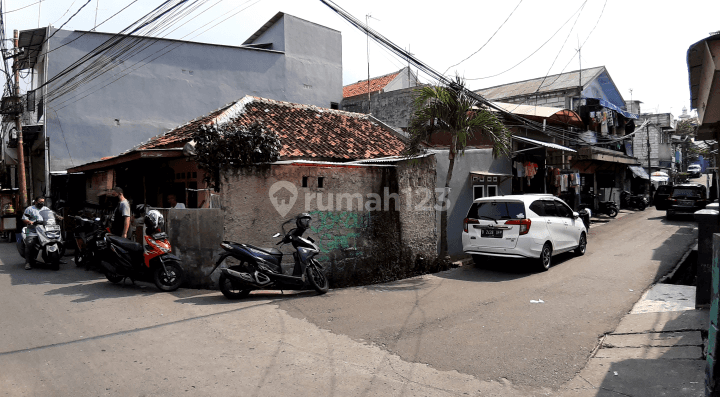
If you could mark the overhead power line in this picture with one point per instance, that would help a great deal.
(552, 131)
(488, 40)
(22, 8)
(534, 52)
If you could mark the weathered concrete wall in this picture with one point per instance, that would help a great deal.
(461, 195)
(369, 227)
(394, 108)
(195, 236)
(187, 82)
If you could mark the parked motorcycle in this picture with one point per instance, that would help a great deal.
(49, 242)
(260, 268)
(121, 258)
(89, 241)
(608, 208)
(629, 200)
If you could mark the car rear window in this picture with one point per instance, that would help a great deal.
(686, 192)
(497, 210)
(664, 189)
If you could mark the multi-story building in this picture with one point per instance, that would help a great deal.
(161, 85)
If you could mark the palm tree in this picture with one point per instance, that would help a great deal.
(450, 110)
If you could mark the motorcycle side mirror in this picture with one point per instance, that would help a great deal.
(276, 235)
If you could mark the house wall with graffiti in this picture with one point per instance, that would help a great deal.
(373, 223)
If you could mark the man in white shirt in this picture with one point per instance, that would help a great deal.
(173, 202)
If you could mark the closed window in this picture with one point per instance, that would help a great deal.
(563, 210)
(550, 209)
(538, 207)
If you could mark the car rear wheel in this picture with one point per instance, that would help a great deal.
(545, 260)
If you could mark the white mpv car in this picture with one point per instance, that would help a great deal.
(523, 226)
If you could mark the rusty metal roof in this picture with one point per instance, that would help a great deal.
(31, 42)
(549, 83)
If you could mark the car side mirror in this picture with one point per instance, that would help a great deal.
(576, 215)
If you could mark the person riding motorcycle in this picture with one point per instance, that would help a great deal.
(32, 217)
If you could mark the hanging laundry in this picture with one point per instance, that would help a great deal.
(519, 168)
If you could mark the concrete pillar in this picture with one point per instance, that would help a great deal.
(712, 370)
(707, 220)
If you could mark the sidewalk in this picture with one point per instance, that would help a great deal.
(656, 350)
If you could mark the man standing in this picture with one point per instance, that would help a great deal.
(31, 217)
(120, 221)
(174, 203)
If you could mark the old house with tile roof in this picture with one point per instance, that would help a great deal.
(306, 132)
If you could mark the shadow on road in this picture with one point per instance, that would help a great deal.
(217, 298)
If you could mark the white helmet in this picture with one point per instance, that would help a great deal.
(154, 220)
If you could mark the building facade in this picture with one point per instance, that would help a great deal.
(162, 85)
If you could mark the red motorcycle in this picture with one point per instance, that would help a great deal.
(121, 258)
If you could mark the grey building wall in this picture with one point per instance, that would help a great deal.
(304, 66)
(359, 245)
(461, 195)
(660, 128)
(394, 108)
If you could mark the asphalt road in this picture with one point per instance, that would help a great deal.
(481, 321)
(467, 331)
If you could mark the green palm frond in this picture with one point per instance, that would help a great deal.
(445, 109)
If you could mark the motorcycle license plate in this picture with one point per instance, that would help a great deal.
(493, 233)
(52, 228)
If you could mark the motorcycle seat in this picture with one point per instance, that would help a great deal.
(271, 251)
(125, 243)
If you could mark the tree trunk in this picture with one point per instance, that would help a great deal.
(444, 213)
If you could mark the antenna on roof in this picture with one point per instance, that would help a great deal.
(367, 46)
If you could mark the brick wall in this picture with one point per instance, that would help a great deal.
(372, 224)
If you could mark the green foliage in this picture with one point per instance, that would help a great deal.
(686, 127)
(233, 146)
(451, 110)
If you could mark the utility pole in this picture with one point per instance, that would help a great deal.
(367, 46)
(647, 128)
(18, 124)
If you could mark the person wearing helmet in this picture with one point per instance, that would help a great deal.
(302, 221)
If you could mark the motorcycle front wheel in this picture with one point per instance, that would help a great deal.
(317, 280)
(168, 281)
(231, 290)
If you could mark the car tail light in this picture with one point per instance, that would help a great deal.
(523, 223)
(469, 221)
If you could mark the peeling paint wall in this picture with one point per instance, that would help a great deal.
(372, 224)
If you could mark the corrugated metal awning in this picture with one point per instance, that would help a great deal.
(639, 171)
(545, 144)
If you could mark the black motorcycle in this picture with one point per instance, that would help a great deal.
(88, 235)
(260, 268)
(608, 208)
(630, 200)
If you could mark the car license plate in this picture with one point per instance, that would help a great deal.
(494, 233)
(687, 203)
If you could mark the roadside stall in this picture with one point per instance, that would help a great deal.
(9, 213)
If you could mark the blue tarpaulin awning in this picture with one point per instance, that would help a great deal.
(612, 106)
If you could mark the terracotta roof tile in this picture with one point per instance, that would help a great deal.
(305, 131)
(361, 87)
